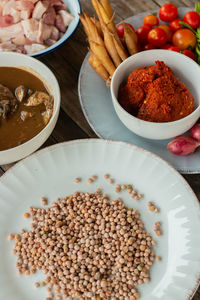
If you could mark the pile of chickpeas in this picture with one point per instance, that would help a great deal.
(88, 246)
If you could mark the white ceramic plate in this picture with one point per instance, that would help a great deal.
(51, 173)
(74, 8)
(98, 109)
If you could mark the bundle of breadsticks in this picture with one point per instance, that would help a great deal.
(107, 50)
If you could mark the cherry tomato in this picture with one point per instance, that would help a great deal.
(168, 31)
(151, 20)
(192, 18)
(120, 29)
(142, 33)
(149, 47)
(157, 37)
(168, 12)
(174, 48)
(190, 54)
(139, 47)
(175, 24)
(184, 38)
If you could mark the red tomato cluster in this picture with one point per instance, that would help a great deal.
(171, 36)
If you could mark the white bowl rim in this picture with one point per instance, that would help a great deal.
(56, 108)
(156, 124)
(59, 43)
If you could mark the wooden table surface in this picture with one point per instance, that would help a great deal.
(66, 61)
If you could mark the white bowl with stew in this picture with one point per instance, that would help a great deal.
(44, 74)
(185, 69)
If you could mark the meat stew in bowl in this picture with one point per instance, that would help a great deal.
(26, 106)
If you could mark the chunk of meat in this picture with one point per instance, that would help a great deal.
(55, 2)
(40, 8)
(7, 6)
(16, 15)
(5, 93)
(60, 23)
(47, 116)
(67, 17)
(44, 32)
(25, 115)
(21, 92)
(60, 7)
(6, 20)
(50, 42)
(8, 46)
(19, 40)
(8, 103)
(38, 98)
(25, 14)
(24, 5)
(31, 27)
(31, 49)
(55, 34)
(49, 16)
(7, 33)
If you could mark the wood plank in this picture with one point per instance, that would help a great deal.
(189, 3)
(66, 129)
(178, 3)
(68, 81)
(194, 182)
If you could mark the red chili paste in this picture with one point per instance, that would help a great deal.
(154, 94)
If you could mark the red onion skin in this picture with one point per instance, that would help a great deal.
(183, 145)
(195, 132)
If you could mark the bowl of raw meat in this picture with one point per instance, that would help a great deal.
(36, 27)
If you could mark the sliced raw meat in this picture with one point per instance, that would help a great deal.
(31, 28)
(44, 32)
(67, 17)
(16, 15)
(60, 23)
(60, 7)
(40, 8)
(10, 32)
(31, 49)
(55, 2)
(25, 14)
(6, 21)
(24, 5)
(50, 42)
(7, 6)
(49, 16)
(55, 34)
(19, 40)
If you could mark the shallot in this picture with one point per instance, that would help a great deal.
(195, 132)
(183, 145)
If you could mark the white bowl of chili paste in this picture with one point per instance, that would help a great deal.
(156, 93)
(29, 105)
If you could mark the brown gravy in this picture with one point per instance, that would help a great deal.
(13, 130)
